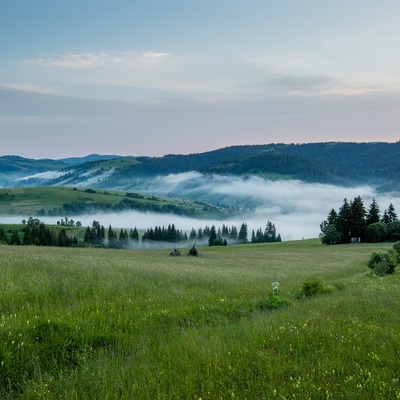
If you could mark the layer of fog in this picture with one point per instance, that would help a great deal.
(296, 208)
(42, 176)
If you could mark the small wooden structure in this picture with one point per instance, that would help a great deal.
(175, 252)
(193, 251)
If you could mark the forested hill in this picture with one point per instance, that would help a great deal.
(376, 163)
(334, 162)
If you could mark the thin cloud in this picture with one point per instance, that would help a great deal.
(102, 59)
(317, 85)
(27, 87)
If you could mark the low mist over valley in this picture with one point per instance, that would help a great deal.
(294, 186)
(295, 207)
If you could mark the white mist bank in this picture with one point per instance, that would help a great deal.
(296, 208)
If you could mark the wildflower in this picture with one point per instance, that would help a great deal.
(275, 285)
(275, 288)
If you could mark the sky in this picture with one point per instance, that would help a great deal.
(157, 77)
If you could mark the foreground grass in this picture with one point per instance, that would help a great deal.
(113, 324)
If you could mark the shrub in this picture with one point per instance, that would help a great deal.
(383, 262)
(330, 235)
(313, 286)
(376, 233)
(396, 248)
(271, 303)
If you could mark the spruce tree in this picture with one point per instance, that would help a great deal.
(332, 218)
(344, 220)
(385, 218)
(213, 236)
(358, 213)
(133, 234)
(270, 232)
(192, 234)
(253, 236)
(373, 213)
(233, 233)
(87, 239)
(392, 213)
(242, 237)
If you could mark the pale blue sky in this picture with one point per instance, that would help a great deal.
(157, 77)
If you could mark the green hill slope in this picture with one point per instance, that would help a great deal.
(75, 201)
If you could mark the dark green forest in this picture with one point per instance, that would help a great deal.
(343, 163)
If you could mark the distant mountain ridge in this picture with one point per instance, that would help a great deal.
(342, 163)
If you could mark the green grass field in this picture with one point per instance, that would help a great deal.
(82, 323)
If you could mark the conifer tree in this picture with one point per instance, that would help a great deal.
(373, 213)
(270, 232)
(344, 221)
(358, 213)
(391, 213)
(213, 236)
(192, 234)
(134, 234)
(242, 237)
(233, 233)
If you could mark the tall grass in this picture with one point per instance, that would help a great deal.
(114, 324)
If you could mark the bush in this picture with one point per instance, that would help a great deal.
(313, 286)
(383, 262)
(376, 233)
(396, 248)
(330, 235)
(271, 303)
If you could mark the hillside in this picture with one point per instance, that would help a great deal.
(42, 201)
(376, 164)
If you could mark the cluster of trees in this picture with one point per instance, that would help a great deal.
(267, 236)
(96, 236)
(36, 233)
(220, 236)
(354, 223)
(171, 234)
(223, 236)
(69, 222)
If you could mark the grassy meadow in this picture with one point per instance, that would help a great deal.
(80, 323)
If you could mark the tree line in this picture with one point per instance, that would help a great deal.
(35, 232)
(354, 223)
